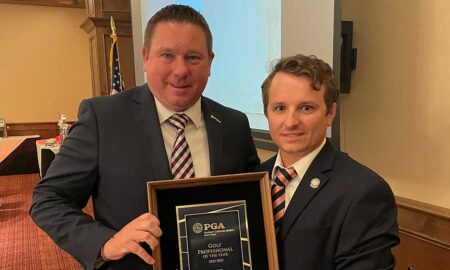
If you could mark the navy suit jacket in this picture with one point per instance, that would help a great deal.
(114, 148)
(348, 222)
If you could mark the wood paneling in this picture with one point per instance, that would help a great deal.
(424, 221)
(425, 236)
(420, 255)
(119, 9)
(116, 7)
(53, 3)
(45, 129)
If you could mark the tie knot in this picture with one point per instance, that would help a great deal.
(179, 120)
(283, 176)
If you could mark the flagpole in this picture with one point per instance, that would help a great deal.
(113, 28)
(114, 63)
(115, 38)
(111, 51)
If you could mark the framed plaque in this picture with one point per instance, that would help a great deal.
(220, 222)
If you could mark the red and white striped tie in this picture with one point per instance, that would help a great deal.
(282, 178)
(181, 160)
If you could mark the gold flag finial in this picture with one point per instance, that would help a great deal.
(113, 28)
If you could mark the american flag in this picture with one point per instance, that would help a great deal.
(117, 84)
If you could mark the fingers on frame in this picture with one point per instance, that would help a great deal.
(135, 248)
(151, 240)
(149, 218)
(152, 228)
(155, 231)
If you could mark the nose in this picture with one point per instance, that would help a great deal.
(292, 119)
(180, 68)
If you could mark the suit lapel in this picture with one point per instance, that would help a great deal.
(147, 122)
(305, 193)
(214, 130)
(268, 166)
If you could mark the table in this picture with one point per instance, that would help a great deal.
(7, 146)
(18, 155)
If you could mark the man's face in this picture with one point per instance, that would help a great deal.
(177, 64)
(297, 115)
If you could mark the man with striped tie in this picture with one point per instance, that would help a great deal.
(330, 212)
(164, 129)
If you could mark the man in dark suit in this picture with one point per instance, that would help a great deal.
(122, 141)
(330, 211)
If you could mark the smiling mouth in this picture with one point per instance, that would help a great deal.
(181, 86)
(292, 135)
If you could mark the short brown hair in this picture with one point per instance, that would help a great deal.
(319, 72)
(180, 14)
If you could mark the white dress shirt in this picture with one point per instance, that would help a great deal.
(195, 133)
(300, 167)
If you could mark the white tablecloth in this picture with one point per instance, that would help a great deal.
(46, 144)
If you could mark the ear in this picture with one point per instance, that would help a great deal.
(145, 55)
(331, 114)
(211, 58)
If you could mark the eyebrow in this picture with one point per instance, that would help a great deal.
(195, 52)
(297, 104)
(168, 49)
(164, 49)
(277, 102)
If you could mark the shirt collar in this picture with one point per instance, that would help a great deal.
(194, 112)
(300, 165)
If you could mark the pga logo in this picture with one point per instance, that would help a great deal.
(198, 227)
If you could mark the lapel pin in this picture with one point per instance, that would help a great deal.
(215, 118)
(315, 182)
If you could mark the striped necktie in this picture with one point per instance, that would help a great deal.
(181, 160)
(282, 178)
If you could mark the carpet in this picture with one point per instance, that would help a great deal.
(22, 244)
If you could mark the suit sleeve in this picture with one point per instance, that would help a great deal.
(59, 198)
(370, 230)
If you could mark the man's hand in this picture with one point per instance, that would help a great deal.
(144, 228)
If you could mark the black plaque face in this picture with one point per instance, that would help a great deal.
(214, 236)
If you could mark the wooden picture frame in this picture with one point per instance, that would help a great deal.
(166, 196)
